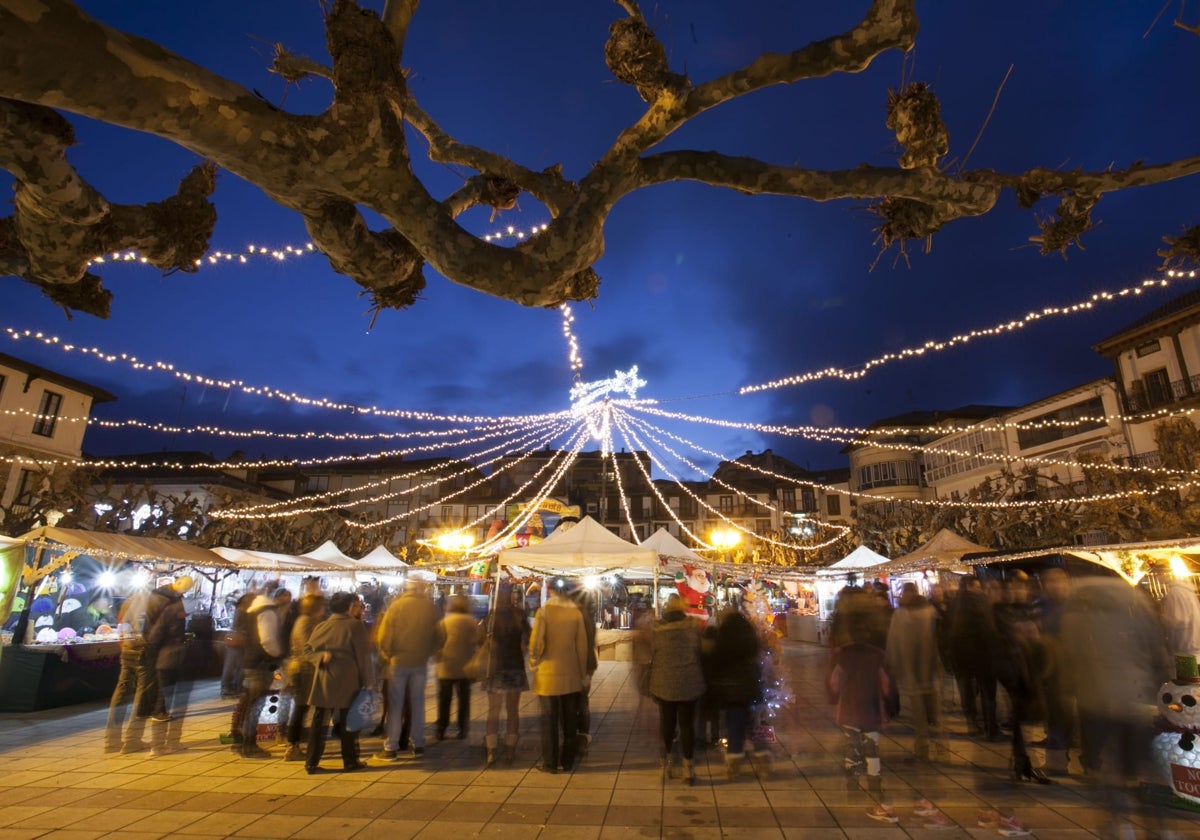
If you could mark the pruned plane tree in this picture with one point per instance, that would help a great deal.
(355, 154)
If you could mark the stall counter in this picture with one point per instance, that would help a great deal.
(34, 677)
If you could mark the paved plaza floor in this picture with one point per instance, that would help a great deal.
(56, 782)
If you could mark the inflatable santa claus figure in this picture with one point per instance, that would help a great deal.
(694, 586)
(1177, 742)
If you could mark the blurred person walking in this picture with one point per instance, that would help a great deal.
(409, 633)
(676, 682)
(1116, 664)
(558, 656)
(914, 662)
(736, 682)
(301, 670)
(1020, 668)
(137, 683)
(235, 647)
(866, 697)
(166, 646)
(458, 631)
(265, 649)
(973, 644)
(505, 677)
(1180, 609)
(1061, 719)
(340, 648)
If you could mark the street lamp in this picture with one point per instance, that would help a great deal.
(455, 542)
(724, 539)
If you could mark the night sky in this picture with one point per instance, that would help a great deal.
(705, 290)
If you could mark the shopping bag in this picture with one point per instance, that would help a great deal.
(477, 668)
(366, 711)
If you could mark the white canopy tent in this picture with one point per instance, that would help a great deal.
(853, 563)
(328, 552)
(942, 553)
(381, 562)
(669, 548)
(587, 548)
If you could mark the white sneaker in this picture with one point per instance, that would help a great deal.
(924, 808)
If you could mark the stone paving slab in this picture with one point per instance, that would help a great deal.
(58, 783)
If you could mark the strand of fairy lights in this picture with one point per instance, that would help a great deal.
(646, 429)
(932, 346)
(628, 434)
(1165, 413)
(256, 390)
(282, 254)
(824, 435)
(256, 434)
(649, 430)
(386, 480)
(624, 500)
(530, 508)
(440, 500)
(574, 359)
(490, 546)
(299, 505)
(949, 503)
(233, 465)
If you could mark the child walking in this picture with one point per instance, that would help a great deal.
(866, 697)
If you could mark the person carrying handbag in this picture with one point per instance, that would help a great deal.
(340, 649)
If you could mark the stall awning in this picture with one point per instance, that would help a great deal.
(1129, 560)
(127, 547)
(585, 548)
(943, 552)
(853, 563)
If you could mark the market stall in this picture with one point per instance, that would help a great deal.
(859, 564)
(63, 641)
(940, 560)
(587, 550)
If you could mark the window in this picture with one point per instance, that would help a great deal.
(808, 500)
(47, 414)
(24, 494)
(317, 484)
(1, 384)
(787, 498)
(833, 505)
(725, 504)
(1158, 388)
(1074, 419)
(889, 474)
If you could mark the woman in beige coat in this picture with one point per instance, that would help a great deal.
(458, 632)
(558, 655)
(340, 647)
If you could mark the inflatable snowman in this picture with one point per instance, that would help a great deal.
(1176, 747)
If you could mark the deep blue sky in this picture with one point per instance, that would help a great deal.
(705, 290)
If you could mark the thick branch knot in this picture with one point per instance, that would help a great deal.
(915, 116)
(500, 193)
(636, 57)
(1073, 218)
(1183, 251)
(182, 224)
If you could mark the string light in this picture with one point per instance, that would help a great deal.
(303, 504)
(624, 421)
(285, 252)
(574, 359)
(255, 390)
(511, 232)
(627, 434)
(937, 346)
(952, 503)
(824, 435)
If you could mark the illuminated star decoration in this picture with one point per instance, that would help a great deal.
(593, 402)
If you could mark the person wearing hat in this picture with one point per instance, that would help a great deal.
(676, 683)
(166, 644)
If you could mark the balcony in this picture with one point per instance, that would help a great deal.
(1141, 400)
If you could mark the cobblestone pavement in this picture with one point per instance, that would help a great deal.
(56, 782)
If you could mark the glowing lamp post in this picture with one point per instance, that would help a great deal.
(455, 543)
(724, 540)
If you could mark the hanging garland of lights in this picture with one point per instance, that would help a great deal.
(303, 504)
(934, 346)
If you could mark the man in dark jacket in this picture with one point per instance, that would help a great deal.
(166, 644)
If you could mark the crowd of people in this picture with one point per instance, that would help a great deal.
(326, 654)
(1083, 658)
